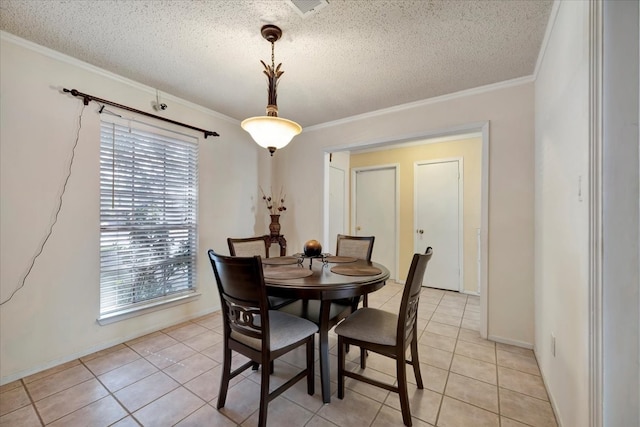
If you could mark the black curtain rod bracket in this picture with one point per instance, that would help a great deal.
(88, 98)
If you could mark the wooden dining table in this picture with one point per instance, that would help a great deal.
(324, 288)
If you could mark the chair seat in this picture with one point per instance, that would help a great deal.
(370, 325)
(284, 330)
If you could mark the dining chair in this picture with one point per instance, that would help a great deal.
(255, 331)
(251, 246)
(357, 247)
(387, 334)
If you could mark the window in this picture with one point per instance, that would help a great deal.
(148, 206)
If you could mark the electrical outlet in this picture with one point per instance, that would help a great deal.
(553, 345)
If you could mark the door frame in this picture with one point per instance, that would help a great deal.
(481, 128)
(460, 161)
(396, 204)
(330, 242)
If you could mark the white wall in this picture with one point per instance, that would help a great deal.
(620, 177)
(561, 213)
(52, 319)
(510, 112)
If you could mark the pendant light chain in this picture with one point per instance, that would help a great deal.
(273, 48)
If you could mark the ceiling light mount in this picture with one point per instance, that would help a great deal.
(271, 131)
(271, 33)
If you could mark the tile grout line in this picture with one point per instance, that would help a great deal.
(33, 403)
(316, 413)
(110, 394)
(495, 350)
(448, 371)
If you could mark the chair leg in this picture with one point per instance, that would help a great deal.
(310, 367)
(364, 353)
(226, 377)
(401, 369)
(415, 361)
(264, 396)
(341, 357)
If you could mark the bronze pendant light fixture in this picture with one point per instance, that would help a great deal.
(270, 131)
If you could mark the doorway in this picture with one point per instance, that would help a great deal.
(337, 208)
(374, 212)
(480, 231)
(438, 202)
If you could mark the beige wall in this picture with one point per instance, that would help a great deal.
(470, 150)
(509, 111)
(621, 218)
(52, 318)
(562, 214)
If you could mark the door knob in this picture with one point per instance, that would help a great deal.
(420, 231)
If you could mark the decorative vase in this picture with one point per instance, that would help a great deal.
(274, 227)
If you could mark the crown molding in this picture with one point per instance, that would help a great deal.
(547, 34)
(429, 101)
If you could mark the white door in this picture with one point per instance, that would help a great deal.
(438, 221)
(336, 206)
(375, 212)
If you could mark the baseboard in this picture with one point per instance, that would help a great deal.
(102, 346)
(464, 292)
(552, 400)
(511, 342)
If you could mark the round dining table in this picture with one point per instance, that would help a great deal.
(325, 289)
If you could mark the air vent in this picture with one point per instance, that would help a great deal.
(306, 8)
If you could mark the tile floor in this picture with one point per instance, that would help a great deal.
(171, 377)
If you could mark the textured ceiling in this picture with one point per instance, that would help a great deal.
(348, 58)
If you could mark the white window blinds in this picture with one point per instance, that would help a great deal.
(148, 206)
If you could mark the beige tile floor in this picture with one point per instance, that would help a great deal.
(171, 377)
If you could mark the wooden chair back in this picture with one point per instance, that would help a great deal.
(243, 295)
(355, 246)
(249, 246)
(411, 297)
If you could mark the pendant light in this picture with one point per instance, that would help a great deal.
(270, 131)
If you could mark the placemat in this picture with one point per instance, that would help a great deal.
(340, 259)
(354, 270)
(283, 260)
(286, 272)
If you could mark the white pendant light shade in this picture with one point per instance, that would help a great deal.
(271, 132)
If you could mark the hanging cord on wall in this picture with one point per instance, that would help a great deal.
(55, 218)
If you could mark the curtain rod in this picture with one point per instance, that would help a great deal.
(88, 98)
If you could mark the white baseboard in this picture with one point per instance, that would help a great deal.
(552, 400)
(511, 342)
(102, 346)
